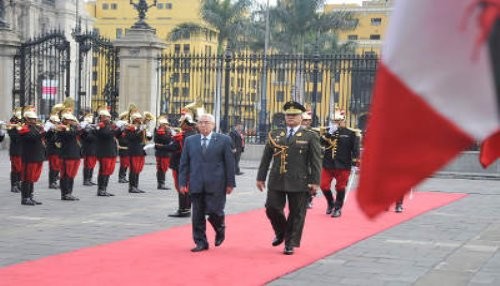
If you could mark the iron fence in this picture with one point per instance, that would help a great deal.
(251, 88)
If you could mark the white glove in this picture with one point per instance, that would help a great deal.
(332, 128)
(48, 126)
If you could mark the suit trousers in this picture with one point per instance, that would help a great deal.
(288, 228)
(211, 204)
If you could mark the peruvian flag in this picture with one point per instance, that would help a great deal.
(49, 88)
(435, 94)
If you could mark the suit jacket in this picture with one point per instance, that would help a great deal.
(299, 166)
(211, 172)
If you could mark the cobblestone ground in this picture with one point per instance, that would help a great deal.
(454, 245)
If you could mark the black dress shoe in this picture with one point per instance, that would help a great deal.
(277, 241)
(336, 213)
(180, 213)
(399, 208)
(288, 250)
(199, 248)
(219, 237)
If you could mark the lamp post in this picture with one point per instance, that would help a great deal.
(142, 8)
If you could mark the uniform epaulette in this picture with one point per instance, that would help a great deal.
(357, 131)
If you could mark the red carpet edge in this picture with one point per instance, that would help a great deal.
(245, 258)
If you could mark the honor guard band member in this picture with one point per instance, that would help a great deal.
(33, 145)
(106, 133)
(123, 148)
(341, 153)
(53, 149)
(15, 150)
(135, 134)
(163, 140)
(89, 148)
(69, 135)
(188, 128)
(294, 175)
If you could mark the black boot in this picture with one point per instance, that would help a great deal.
(69, 182)
(122, 175)
(90, 175)
(184, 206)
(102, 183)
(106, 181)
(53, 179)
(64, 189)
(14, 182)
(160, 177)
(32, 189)
(25, 195)
(136, 181)
(329, 200)
(337, 209)
(131, 184)
(86, 178)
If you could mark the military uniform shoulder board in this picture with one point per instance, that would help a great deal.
(356, 131)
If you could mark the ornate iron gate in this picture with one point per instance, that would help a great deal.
(42, 72)
(252, 88)
(97, 79)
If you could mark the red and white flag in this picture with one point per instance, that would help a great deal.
(434, 95)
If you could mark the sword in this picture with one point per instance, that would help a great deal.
(350, 181)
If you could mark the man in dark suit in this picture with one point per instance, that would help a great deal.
(238, 145)
(294, 175)
(207, 172)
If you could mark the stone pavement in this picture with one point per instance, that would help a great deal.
(455, 245)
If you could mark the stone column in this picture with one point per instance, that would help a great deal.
(139, 69)
(9, 43)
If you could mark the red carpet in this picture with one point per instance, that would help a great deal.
(245, 258)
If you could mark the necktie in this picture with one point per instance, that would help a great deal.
(204, 144)
(290, 134)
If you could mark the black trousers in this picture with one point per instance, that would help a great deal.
(290, 228)
(211, 204)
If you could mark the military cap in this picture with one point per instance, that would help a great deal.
(306, 116)
(293, 107)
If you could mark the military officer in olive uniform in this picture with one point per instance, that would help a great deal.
(294, 175)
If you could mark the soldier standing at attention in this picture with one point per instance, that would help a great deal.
(188, 128)
(294, 175)
(162, 138)
(53, 150)
(33, 145)
(89, 148)
(123, 149)
(341, 152)
(15, 150)
(135, 134)
(69, 132)
(106, 133)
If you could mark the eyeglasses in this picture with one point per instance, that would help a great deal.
(204, 122)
